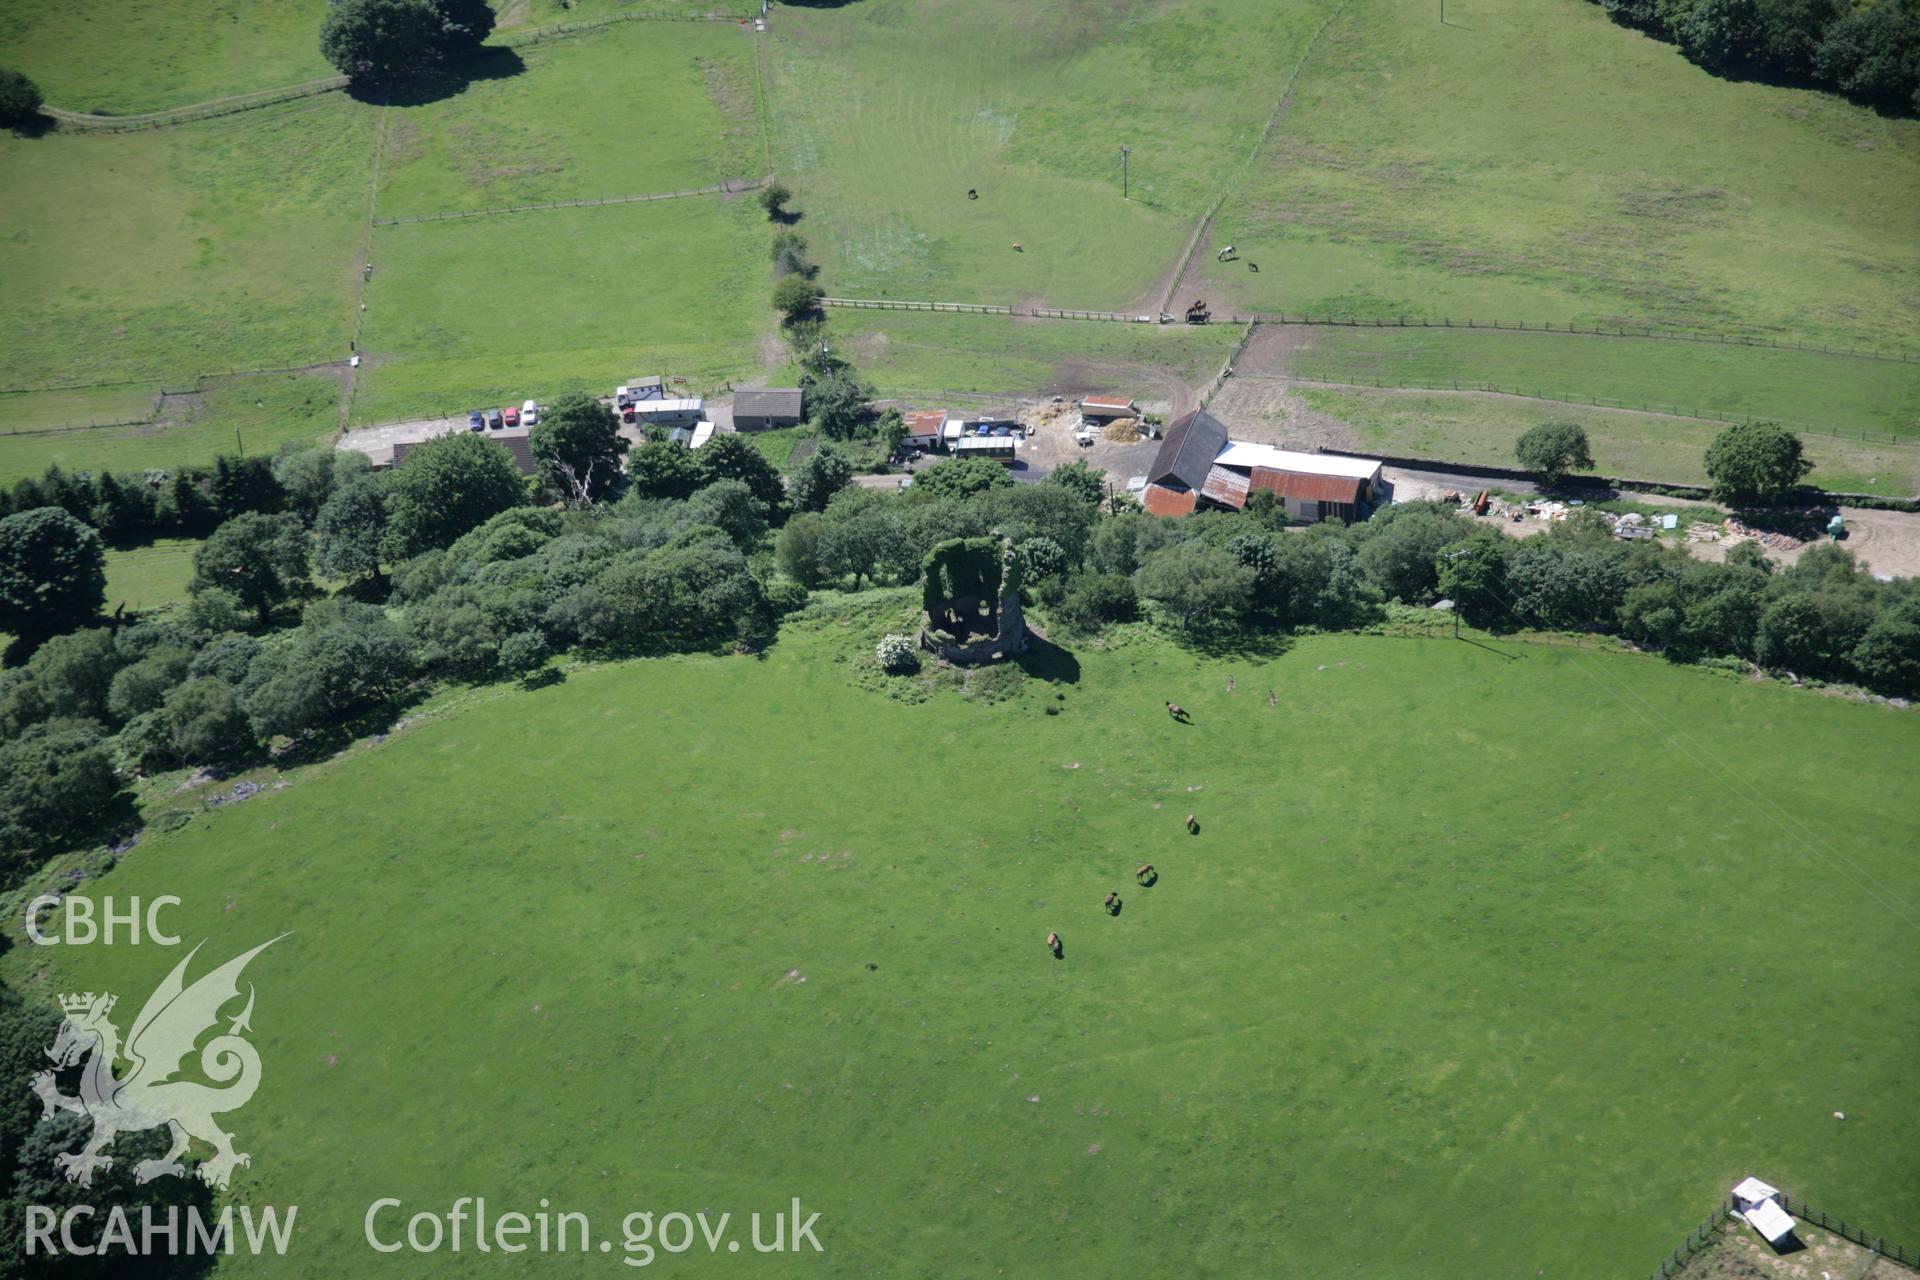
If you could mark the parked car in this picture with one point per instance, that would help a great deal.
(529, 414)
(512, 416)
(628, 414)
(475, 422)
(493, 419)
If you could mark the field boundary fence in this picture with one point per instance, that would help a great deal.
(208, 110)
(1253, 152)
(1726, 1211)
(1672, 488)
(732, 186)
(159, 396)
(1697, 1239)
(1465, 385)
(1846, 1230)
(1226, 368)
(233, 104)
(1307, 321)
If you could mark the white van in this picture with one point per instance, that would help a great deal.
(529, 414)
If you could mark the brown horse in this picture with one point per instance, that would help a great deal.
(1053, 944)
(1178, 712)
(1145, 873)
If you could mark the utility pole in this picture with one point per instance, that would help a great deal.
(1127, 151)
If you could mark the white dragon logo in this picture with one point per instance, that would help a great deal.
(173, 1019)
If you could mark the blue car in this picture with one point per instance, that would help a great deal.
(474, 421)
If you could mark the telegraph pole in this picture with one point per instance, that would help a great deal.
(1124, 153)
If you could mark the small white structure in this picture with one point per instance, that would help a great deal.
(702, 432)
(1759, 1204)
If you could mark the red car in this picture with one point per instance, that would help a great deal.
(512, 415)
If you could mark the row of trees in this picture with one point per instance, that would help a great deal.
(456, 567)
(839, 403)
(1870, 52)
(1755, 464)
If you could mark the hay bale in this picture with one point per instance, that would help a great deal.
(1122, 431)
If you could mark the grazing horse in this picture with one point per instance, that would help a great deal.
(1113, 903)
(1193, 825)
(1271, 700)
(1146, 873)
(1053, 944)
(1018, 248)
(1178, 712)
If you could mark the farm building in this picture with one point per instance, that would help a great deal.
(757, 408)
(999, 448)
(926, 428)
(515, 442)
(671, 413)
(1107, 408)
(1200, 466)
(637, 389)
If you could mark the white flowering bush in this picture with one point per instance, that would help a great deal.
(896, 653)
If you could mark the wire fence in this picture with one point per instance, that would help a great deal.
(1710, 1231)
(1330, 321)
(159, 394)
(208, 110)
(1570, 397)
(732, 186)
(1226, 368)
(1841, 1227)
(235, 103)
(1697, 1239)
(519, 39)
(1226, 188)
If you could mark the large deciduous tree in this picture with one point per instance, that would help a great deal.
(735, 457)
(816, 480)
(579, 445)
(384, 41)
(1197, 583)
(1755, 463)
(52, 573)
(261, 559)
(19, 98)
(445, 487)
(1552, 450)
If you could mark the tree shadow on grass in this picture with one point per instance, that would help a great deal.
(38, 125)
(449, 81)
(1234, 642)
(1045, 660)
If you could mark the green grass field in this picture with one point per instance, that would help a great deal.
(885, 114)
(633, 109)
(150, 578)
(1482, 430)
(1532, 161)
(496, 309)
(1832, 392)
(915, 350)
(83, 407)
(1460, 931)
(130, 56)
(159, 255)
(266, 411)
